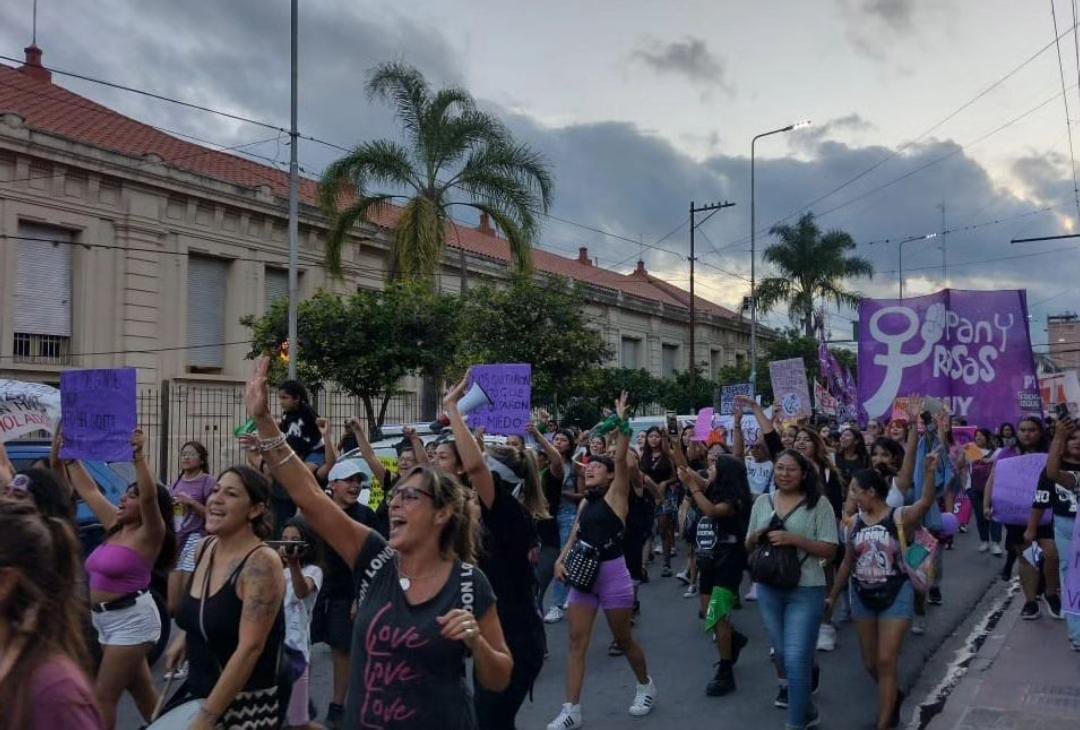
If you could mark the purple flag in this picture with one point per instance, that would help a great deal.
(970, 348)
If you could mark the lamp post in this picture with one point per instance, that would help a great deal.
(753, 247)
(900, 257)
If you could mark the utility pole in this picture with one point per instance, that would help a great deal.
(944, 241)
(294, 198)
(713, 207)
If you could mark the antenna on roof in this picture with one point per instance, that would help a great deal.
(33, 31)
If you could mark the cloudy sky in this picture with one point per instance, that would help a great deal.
(641, 106)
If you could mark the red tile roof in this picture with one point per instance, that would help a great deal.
(50, 108)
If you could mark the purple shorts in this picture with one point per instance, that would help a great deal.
(612, 590)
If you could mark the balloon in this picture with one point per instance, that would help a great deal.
(949, 524)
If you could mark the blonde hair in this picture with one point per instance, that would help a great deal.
(460, 537)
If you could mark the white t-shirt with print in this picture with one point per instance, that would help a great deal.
(298, 612)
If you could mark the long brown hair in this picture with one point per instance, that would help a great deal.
(460, 537)
(42, 612)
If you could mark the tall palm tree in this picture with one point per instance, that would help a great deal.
(810, 265)
(456, 155)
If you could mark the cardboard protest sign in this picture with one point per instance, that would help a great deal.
(27, 407)
(1071, 594)
(1058, 388)
(825, 402)
(99, 414)
(703, 426)
(728, 394)
(509, 386)
(973, 452)
(964, 435)
(791, 390)
(1015, 479)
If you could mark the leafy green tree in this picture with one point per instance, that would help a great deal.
(685, 394)
(454, 154)
(598, 389)
(367, 342)
(810, 265)
(538, 321)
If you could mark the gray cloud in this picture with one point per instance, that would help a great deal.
(871, 25)
(689, 57)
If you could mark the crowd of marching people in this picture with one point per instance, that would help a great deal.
(433, 598)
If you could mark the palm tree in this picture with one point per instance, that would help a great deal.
(455, 155)
(810, 265)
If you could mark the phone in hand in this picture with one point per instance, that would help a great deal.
(292, 548)
(1061, 410)
(672, 424)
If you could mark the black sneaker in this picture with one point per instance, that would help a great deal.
(738, 643)
(1030, 611)
(894, 720)
(933, 596)
(334, 716)
(666, 572)
(1053, 605)
(815, 679)
(781, 698)
(723, 682)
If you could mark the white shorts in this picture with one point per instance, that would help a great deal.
(138, 624)
(186, 561)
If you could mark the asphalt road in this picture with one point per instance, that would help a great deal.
(681, 660)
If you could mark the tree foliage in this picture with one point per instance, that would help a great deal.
(810, 265)
(454, 154)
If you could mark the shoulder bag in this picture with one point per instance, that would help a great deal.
(776, 566)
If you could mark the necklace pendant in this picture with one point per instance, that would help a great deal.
(405, 583)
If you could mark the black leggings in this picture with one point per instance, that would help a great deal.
(498, 710)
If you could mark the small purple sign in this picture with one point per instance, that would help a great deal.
(509, 387)
(1015, 480)
(969, 348)
(98, 414)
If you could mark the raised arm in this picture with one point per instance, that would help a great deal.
(696, 485)
(417, 444)
(906, 477)
(671, 446)
(744, 401)
(620, 486)
(472, 458)
(1054, 472)
(329, 448)
(739, 441)
(913, 515)
(554, 458)
(328, 520)
(153, 524)
(88, 491)
(377, 467)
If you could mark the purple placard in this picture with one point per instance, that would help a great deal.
(98, 414)
(510, 388)
(1072, 573)
(791, 390)
(969, 348)
(1015, 479)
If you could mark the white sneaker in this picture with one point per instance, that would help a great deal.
(918, 625)
(826, 637)
(684, 577)
(643, 700)
(569, 717)
(995, 549)
(691, 591)
(983, 547)
(751, 595)
(554, 615)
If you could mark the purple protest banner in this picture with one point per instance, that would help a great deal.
(969, 348)
(1072, 573)
(509, 386)
(703, 426)
(1015, 479)
(98, 414)
(791, 390)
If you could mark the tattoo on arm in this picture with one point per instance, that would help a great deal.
(263, 587)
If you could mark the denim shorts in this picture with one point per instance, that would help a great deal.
(902, 607)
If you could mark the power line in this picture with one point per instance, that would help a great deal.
(1065, 101)
(985, 261)
(961, 229)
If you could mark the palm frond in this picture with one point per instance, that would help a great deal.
(519, 241)
(379, 161)
(461, 134)
(772, 291)
(419, 240)
(341, 222)
(406, 88)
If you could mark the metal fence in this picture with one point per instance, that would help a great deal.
(177, 412)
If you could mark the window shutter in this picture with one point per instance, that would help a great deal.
(276, 286)
(43, 283)
(207, 279)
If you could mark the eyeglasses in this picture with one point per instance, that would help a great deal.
(410, 495)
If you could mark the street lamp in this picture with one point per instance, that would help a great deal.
(753, 248)
(900, 257)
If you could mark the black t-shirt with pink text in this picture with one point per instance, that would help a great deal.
(405, 675)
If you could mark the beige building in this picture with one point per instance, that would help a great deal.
(126, 246)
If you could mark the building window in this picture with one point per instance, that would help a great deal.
(207, 280)
(631, 353)
(276, 286)
(740, 359)
(669, 360)
(42, 302)
(716, 363)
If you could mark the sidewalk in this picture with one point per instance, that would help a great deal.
(1025, 676)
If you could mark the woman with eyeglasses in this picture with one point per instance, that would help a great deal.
(139, 538)
(421, 605)
(600, 529)
(189, 492)
(44, 661)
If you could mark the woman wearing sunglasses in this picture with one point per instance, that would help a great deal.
(421, 606)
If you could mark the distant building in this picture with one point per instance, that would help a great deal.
(1064, 339)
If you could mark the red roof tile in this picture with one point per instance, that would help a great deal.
(55, 110)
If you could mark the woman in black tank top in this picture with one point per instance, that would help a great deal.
(231, 611)
(601, 523)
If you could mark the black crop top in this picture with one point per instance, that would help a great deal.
(600, 527)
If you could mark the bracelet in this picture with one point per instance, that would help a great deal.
(271, 443)
(291, 455)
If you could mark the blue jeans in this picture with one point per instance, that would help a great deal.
(1063, 530)
(791, 620)
(565, 518)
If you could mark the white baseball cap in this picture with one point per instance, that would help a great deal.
(347, 469)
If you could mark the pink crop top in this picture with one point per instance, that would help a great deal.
(117, 569)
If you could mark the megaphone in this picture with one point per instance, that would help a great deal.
(475, 398)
